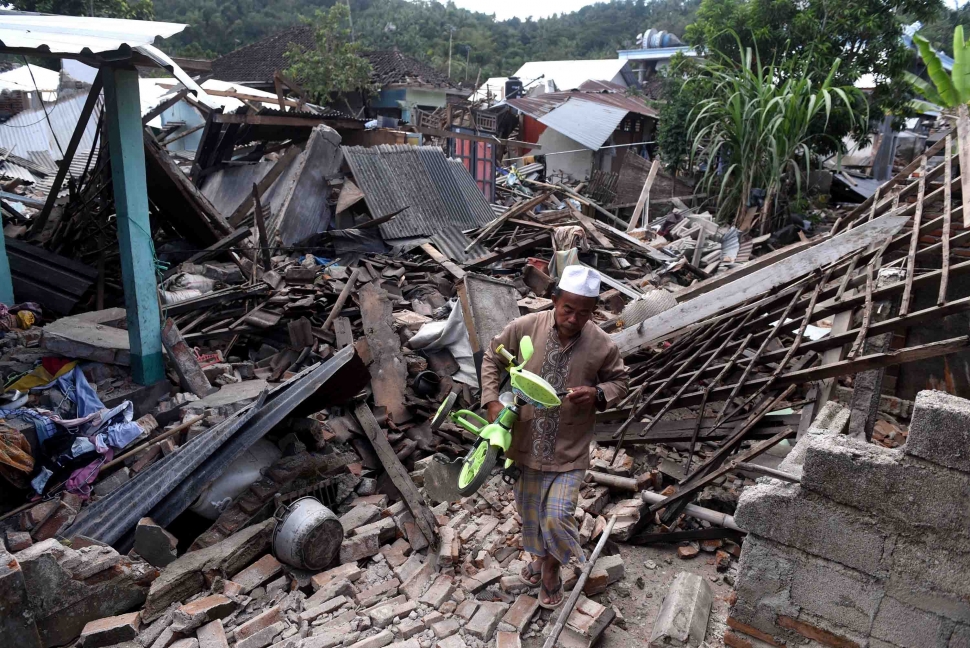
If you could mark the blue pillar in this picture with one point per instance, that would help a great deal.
(127, 148)
(6, 285)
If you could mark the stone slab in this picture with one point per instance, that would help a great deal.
(682, 620)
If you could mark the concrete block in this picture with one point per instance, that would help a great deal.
(907, 627)
(466, 610)
(833, 419)
(612, 565)
(682, 620)
(508, 640)
(386, 529)
(261, 571)
(792, 516)
(382, 615)
(155, 544)
(409, 568)
(410, 628)
(486, 619)
(109, 631)
(482, 579)
(940, 430)
(908, 490)
(846, 599)
(928, 564)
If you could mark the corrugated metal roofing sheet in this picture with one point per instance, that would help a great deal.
(30, 78)
(10, 171)
(586, 122)
(419, 179)
(29, 130)
(78, 34)
(538, 106)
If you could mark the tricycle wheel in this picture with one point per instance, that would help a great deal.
(477, 467)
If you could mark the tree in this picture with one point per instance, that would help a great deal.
(761, 125)
(678, 99)
(335, 67)
(135, 10)
(864, 34)
(946, 92)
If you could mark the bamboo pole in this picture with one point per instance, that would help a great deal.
(161, 437)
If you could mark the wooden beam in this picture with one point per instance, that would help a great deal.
(165, 105)
(511, 250)
(213, 250)
(963, 148)
(643, 201)
(423, 517)
(443, 261)
(38, 222)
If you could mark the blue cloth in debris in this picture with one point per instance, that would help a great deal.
(75, 386)
(42, 424)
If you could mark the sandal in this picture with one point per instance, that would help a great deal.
(535, 575)
(548, 595)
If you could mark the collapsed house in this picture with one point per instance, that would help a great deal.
(782, 451)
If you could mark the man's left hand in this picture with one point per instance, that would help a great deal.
(582, 395)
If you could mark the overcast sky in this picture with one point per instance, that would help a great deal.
(504, 9)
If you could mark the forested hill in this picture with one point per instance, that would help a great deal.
(420, 28)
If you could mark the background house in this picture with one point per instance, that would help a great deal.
(403, 82)
(586, 129)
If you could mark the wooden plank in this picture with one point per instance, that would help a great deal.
(914, 240)
(443, 261)
(644, 200)
(282, 163)
(94, 94)
(264, 243)
(515, 210)
(343, 331)
(423, 517)
(508, 251)
(387, 369)
(963, 147)
(866, 316)
(947, 216)
(191, 377)
(342, 298)
(762, 282)
(681, 430)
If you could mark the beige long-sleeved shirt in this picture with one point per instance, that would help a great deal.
(557, 440)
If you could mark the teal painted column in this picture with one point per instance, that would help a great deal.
(6, 284)
(127, 148)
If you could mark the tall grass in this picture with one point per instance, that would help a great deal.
(758, 127)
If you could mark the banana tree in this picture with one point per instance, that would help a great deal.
(951, 92)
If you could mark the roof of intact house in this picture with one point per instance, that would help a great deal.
(569, 75)
(586, 122)
(257, 62)
(607, 94)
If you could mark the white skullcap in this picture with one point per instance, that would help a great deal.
(580, 280)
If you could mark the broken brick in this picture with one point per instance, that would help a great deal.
(258, 573)
(111, 630)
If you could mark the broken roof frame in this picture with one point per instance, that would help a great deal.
(750, 353)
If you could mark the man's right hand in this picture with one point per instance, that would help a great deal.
(494, 409)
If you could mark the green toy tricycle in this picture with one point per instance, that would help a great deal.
(494, 438)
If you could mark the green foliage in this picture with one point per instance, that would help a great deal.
(420, 28)
(761, 124)
(678, 101)
(947, 91)
(135, 10)
(864, 34)
(335, 66)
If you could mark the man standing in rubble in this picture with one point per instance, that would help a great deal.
(551, 446)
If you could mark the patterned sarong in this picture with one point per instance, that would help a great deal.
(547, 504)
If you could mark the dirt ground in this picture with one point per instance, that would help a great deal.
(639, 605)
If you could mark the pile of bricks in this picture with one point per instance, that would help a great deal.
(871, 549)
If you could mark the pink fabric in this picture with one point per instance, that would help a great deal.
(81, 479)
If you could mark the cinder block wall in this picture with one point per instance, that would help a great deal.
(871, 549)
